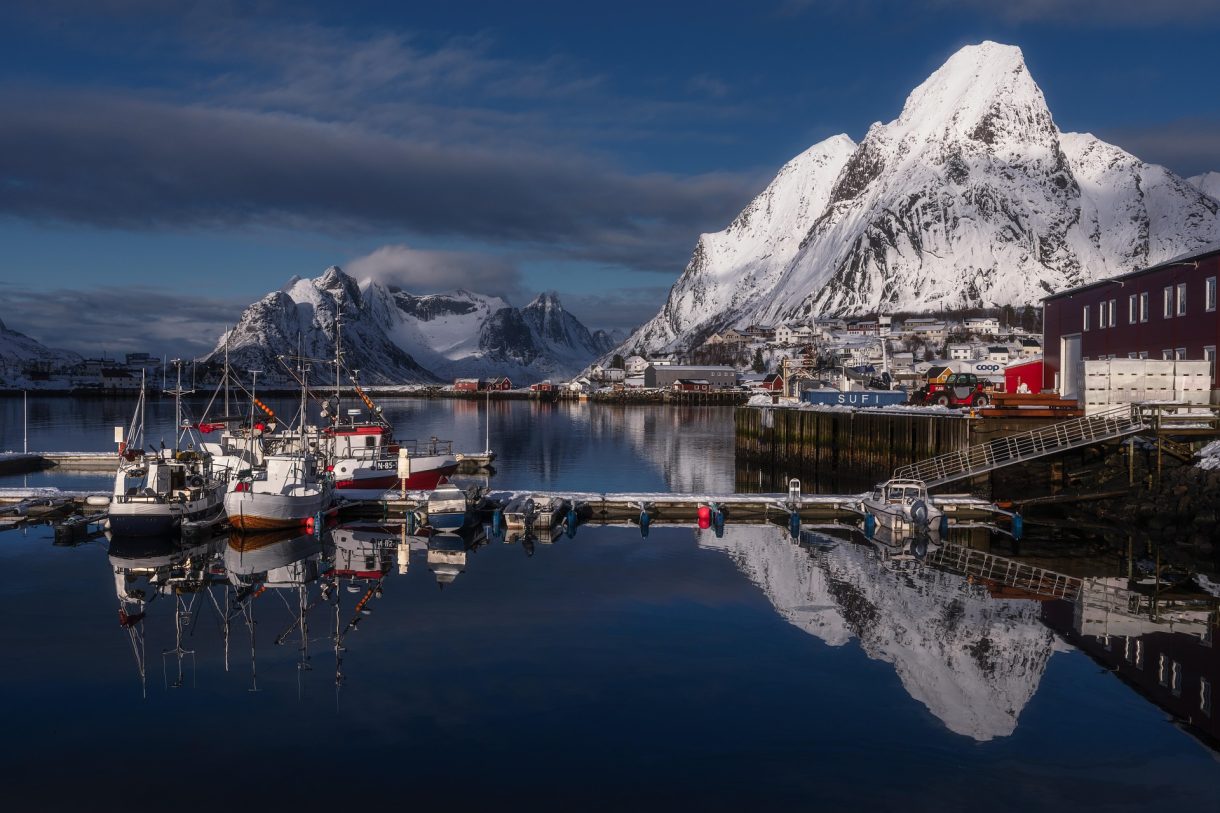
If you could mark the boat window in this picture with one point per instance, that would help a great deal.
(369, 440)
(877, 494)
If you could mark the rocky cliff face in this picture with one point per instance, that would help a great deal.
(972, 196)
(393, 336)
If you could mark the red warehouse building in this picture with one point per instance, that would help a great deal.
(1166, 311)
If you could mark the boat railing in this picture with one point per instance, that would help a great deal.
(432, 446)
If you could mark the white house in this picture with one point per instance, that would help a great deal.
(634, 365)
(960, 352)
(998, 353)
(986, 325)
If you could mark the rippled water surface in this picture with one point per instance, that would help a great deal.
(603, 670)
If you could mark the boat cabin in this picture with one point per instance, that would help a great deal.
(898, 492)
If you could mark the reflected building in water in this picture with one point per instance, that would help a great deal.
(973, 661)
(1171, 660)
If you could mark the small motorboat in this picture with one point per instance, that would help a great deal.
(903, 508)
(448, 508)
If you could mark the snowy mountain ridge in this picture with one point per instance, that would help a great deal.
(17, 349)
(971, 197)
(393, 336)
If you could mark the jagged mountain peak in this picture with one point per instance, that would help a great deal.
(546, 299)
(969, 86)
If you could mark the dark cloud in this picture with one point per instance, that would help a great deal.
(1098, 13)
(120, 162)
(1187, 146)
(116, 320)
(423, 271)
(623, 309)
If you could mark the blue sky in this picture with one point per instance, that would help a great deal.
(169, 163)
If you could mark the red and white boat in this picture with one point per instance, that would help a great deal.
(364, 456)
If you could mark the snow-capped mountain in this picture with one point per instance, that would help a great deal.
(972, 196)
(973, 661)
(1208, 183)
(18, 348)
(392, 336)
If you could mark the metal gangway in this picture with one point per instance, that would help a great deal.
(1006, 451)
(1005, 571)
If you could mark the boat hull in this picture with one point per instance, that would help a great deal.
(135, 518)
(254, 511)
(367, 480)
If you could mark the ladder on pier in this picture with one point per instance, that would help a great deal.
(1007, 451)
(1005, 571)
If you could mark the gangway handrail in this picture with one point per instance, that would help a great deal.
(1007, 451)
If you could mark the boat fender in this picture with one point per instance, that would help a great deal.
(919, 512)
(1018, 526)
(195, 481)
(944, 526)
(920, 548)
(794, 525)
(496, 518)
(97, 499)
(645, 520)
(705, 516)
(870, 526)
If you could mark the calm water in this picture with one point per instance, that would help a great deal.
(604, 671)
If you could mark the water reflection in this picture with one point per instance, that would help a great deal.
(972, 660)
(968, 651)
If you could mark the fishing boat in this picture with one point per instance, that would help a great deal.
(290, 488)
(448, 508)
(156, 490)
(364, 454)
(902, 508)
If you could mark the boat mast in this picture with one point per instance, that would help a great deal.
(253, 400)
(178, 406)
(338, 366)
(225, 382)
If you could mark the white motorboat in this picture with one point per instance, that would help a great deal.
(902, 508)
(448, 508)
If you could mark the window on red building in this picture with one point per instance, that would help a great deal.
(1181, 299)
(1167, 302)
(1144, 306)
(1113, 321)
(1132, 310)
(1209, 355)
(1166, 355)
(1210, 297)
(1179, 354)
(1085, 317)
(1101, 315)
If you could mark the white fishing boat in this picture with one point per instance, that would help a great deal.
(157, 490)
(289, 489)
(902, 507)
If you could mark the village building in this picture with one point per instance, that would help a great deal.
(1166, 311)
(959, 352)
(664, 376)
